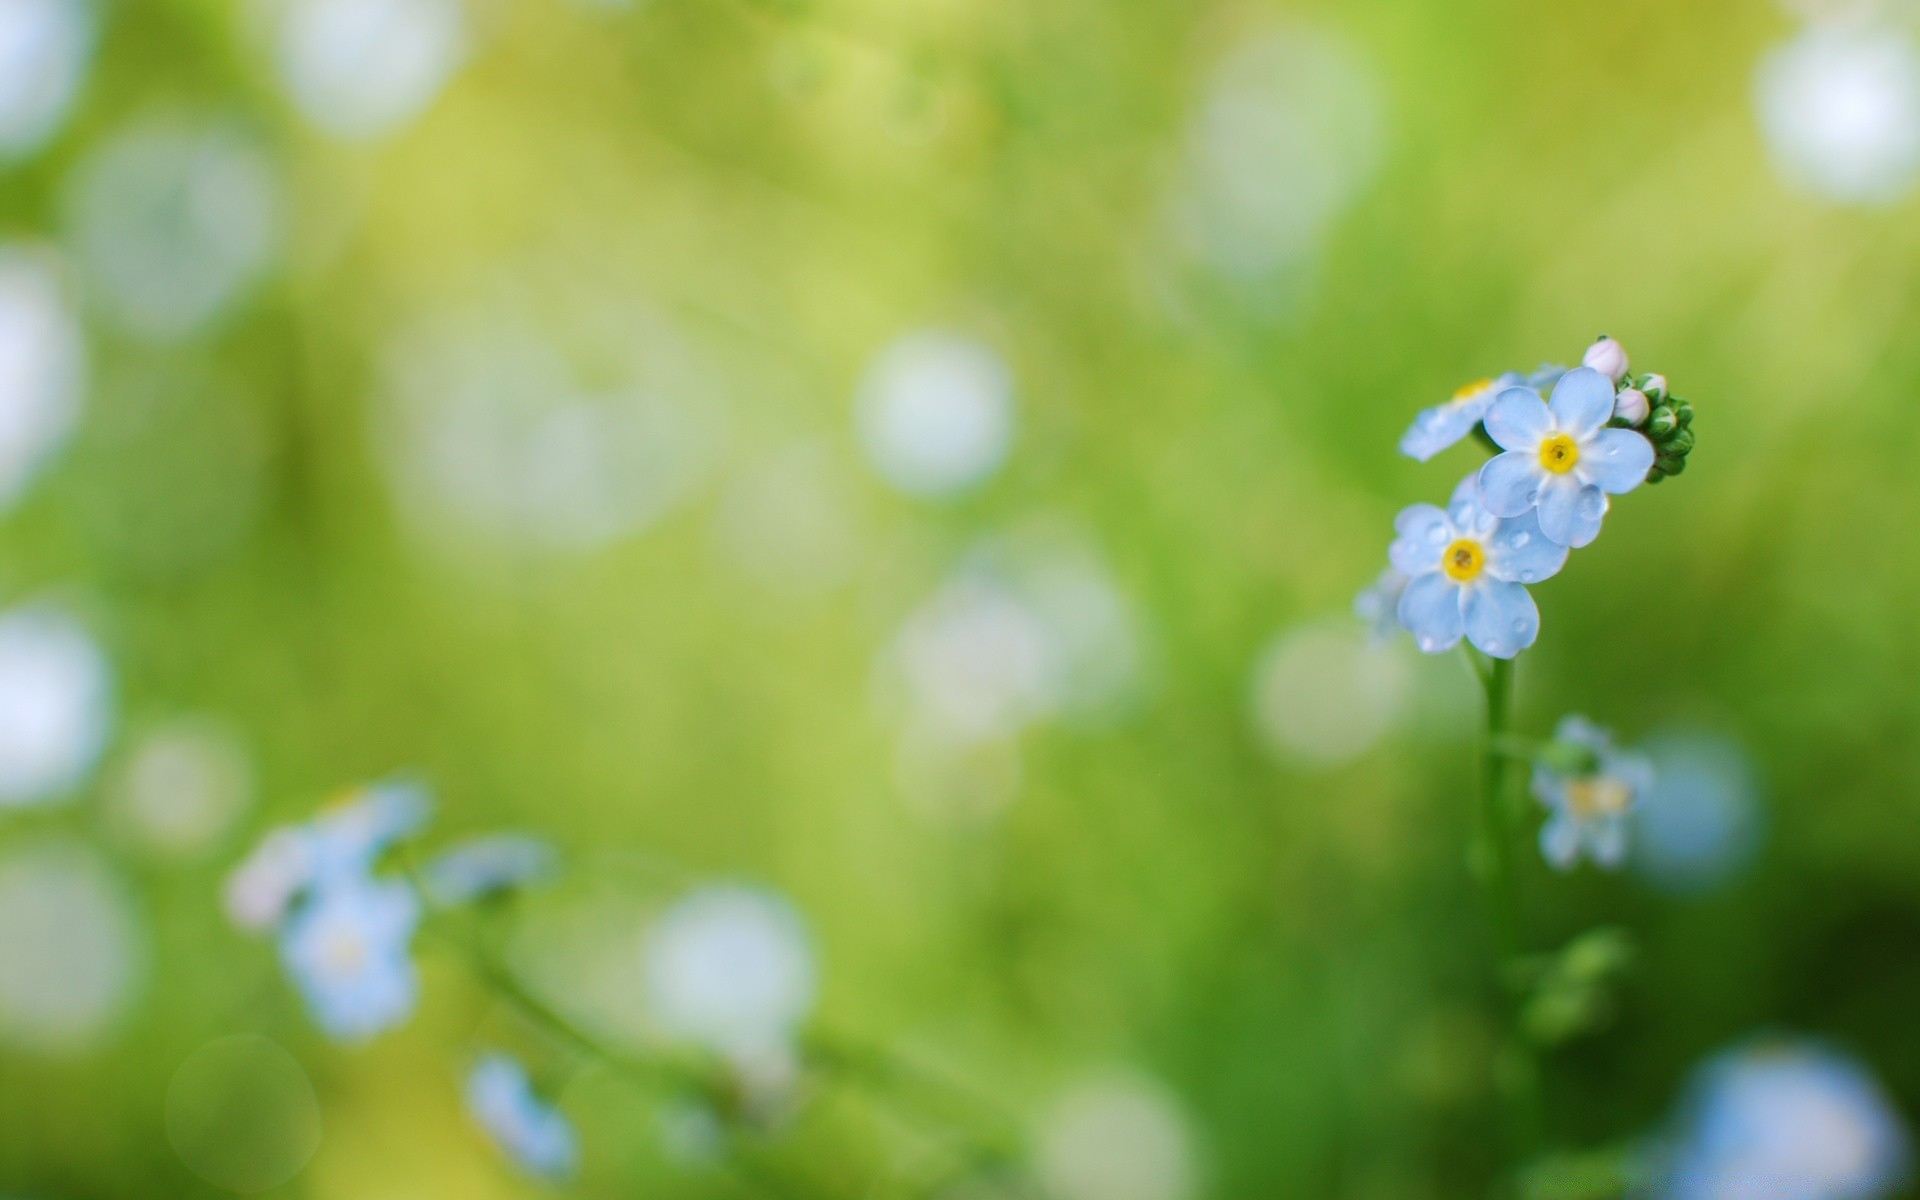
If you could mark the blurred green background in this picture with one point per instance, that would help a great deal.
(1222, 252)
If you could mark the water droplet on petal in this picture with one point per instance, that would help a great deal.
(1520, 626)
(1519, 538)
(1437, 535)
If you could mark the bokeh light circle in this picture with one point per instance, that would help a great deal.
(42, 365)
(935, 413)
(44, 47)
(1840, 108)
(1323, 696)
(173, 221)
(71, 950)
(242, 1114)
(56, 705)
(1123, 1138)
(361, 68)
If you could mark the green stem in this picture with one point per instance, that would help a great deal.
(1519, 1076)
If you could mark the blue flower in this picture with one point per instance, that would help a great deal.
(1439, 427)
(1465, 570)
(1590, 810)
(531, 1132)
(1378, 606)
(487, 866)
(1561, 458)
(1785, 1121)
(348, 836)
(347, 950)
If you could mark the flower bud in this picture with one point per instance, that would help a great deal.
(1631, 406)
(1680, 443)
(1663, 422)
(1672, 464)
(1655, 386)
(1607, 357)
(1683, 412)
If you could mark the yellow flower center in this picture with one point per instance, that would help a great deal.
(343, 954)
(1468, 391)
(1463, 560)
(1598, 796)
(1558, 454)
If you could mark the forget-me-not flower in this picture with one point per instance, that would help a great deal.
(1590, 810)
(534, 1134)
(1466, 571)
(487, 866)
(1439, 427)
(347, 950)
(1786, 1121)
(341, 843)
(1561, 457)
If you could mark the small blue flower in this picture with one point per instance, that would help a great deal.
(347, 951)
(1465, 574)
(531, 1132)
(1785, 1121)
(1439, 427)
(487, 866)
(347, 837)
(1590, 811)
(1561, 458)
(1378, 606)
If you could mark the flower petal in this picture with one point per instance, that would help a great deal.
(1569, 513)
(1519, 553)
(1436, 428)
(1519, 419)
(1615, 460)
(1430, 610)
(1424, 533)
(1510, 483)
(1560, 840)
(1607, 842)
(1501, 619)
(1582, 401)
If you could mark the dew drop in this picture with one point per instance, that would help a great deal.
(1520, 627)
(1437, 535)
(1519, 538)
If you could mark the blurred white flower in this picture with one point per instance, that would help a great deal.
(730, 967)
(1840, 108)
(42, 366)
(490, 424)
(976, 663)
(70, 948)
(1786, 1121)
(1123, 1138)
(1700, 824)
(1288, 130)
(358, 69)
(56, 705)
(173, 222)
(1323, 695)
(44, 47)
(935, 413)
(183, 787)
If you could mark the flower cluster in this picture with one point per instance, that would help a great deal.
(729, 969)
(1566, 441)
(345, 931)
